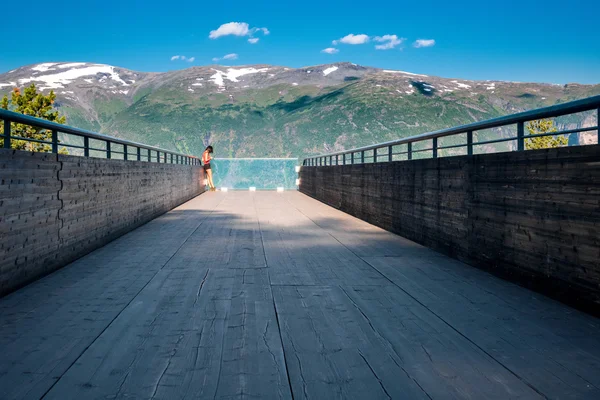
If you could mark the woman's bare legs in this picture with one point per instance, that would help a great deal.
(210, 181)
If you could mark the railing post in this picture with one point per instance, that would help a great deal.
(171, 158)
(108, 149)
(344, 159)
(375, 155)
(362, 157)
(390, 151)
(149, 156)
(125, 152)
(86, 146)
(139, 154)
(434, 149)
(158, 157)
(598, 125)
(6, 134)
(330, 160)
(337, 159)
(54, 141)
(520, 136)
(352, 158)
(409, 150)
(470, 143)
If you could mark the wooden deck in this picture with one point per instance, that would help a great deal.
(275, 295)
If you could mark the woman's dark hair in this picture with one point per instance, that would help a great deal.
(210, 149)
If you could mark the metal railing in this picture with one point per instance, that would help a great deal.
(140, 151)
(384, 152)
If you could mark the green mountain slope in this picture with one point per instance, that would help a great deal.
(270, 111)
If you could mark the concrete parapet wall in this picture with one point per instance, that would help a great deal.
(57, 208)
(531, 217)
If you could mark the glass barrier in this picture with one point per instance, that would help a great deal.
(261, 173)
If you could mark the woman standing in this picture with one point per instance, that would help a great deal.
(206, 157)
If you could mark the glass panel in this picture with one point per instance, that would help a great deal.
(459, 139)
(419, 149)
(66, 140)
(399, 148)
(116, 151)
(575, 121)
(1, 133)
(262, 173)
(503, 132)
(99, 146)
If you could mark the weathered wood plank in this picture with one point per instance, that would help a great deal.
(499, 328)
(244, 295)
(46, 326)
(333, 352)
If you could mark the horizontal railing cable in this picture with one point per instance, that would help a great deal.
(130, 148)
(357, 155)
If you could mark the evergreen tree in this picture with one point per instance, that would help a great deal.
(35, 104)
(542, 126)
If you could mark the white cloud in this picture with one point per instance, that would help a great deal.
(238, 29)
(353, 39)
(424, 43)
(330, 50)
(183, 58)
(231, 56)
(230, 28)
(389, 42)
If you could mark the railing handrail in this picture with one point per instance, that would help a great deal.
(19, 118)
(587, 104)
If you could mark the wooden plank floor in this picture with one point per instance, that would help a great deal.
(275, 295)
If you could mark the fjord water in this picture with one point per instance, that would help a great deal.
(262, 173)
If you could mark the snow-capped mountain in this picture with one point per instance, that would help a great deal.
(293, 110)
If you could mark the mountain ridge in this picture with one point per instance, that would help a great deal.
(267, 110)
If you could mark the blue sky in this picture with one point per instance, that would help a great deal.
(528, 40)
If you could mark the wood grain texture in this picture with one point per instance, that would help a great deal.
(245, 295)
(531, 217)
(55, 208)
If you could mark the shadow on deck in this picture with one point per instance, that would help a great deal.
(265, 295)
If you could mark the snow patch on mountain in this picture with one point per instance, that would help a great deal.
(402, 72)
(44, 67)
(232, 74)
(58, 80)
(70, 65)
(461, 85)
(218, 78)
(330, 70)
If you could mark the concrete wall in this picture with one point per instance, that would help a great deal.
(532, 217)
(56, 208)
